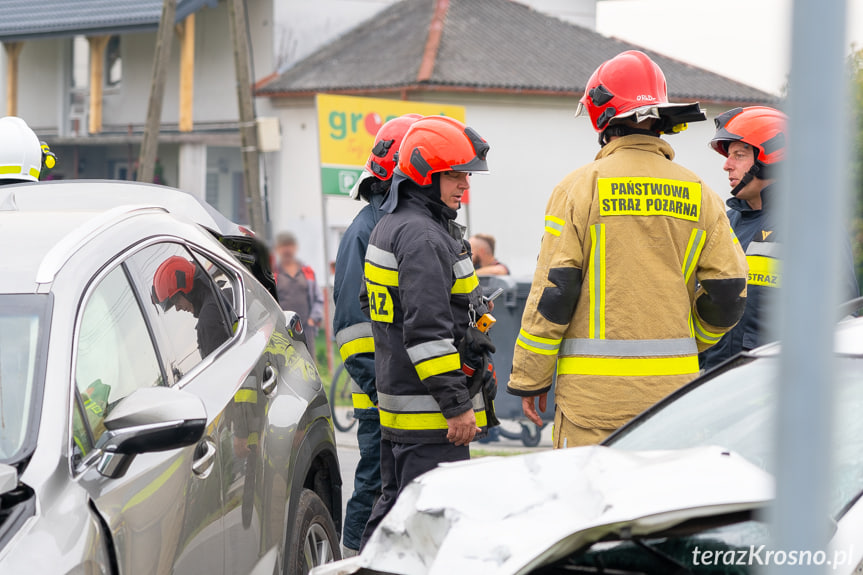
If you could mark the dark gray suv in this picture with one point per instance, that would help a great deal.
(152, 431)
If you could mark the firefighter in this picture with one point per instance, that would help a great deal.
(753, 141)
(184, 285)
(424, 298)
(23, 158)
(354, 330)
(614, 306)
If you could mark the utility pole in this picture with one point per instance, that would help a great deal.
(248, 126)
(808, 301)
(150, 143)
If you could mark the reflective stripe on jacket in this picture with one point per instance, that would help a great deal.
(420, 287)
(352, 327)
(614, 307)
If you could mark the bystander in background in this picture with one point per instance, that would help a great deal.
(486, 264)
(298, 287)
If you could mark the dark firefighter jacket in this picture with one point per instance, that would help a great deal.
(421, 286)
(615, 306)
(353, 328)
(756, 230)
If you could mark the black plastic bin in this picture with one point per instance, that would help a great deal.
(508, 309)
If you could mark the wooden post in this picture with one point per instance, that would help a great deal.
(248, 127)
(97, 80)
(187, 73)
(150, 142)
(13, 50)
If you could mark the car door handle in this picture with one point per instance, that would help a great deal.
(271, 379)
(205, 458)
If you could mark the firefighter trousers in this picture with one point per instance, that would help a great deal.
(568, 434)
(367, 481)
(401, 463)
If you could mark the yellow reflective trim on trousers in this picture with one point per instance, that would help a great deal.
(597, 281)
(438, 365)
(764, 271)
(465, 285)
(702, 334)
(362, 401)
(359, 345)
(693, 252)
(554, 225)
(627, 366)
(536, 344)
(381, 276)
(253, 438)
(246, 396)
(423, 421)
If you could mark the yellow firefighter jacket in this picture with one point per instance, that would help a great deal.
(614, 305)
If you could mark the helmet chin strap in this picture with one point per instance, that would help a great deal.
(751, 174)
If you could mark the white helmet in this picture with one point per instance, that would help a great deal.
(20, 151)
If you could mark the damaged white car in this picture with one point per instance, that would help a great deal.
(677, 490)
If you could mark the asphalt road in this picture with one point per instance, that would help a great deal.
(349, 453)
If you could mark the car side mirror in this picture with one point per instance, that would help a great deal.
(146, 421)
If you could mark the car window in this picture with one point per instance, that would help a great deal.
(188, 310)
(24, 326)
(115, 354)
(226, 286)
(736, 410)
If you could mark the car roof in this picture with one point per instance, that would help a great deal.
(35, 245)
(848, 340)
(100, 195)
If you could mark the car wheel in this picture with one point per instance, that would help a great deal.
(313, 540)
(531, 435)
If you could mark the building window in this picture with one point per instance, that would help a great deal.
(113, 62)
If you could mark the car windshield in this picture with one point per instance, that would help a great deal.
(735, 409)
(23, 338)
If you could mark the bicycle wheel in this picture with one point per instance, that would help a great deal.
(341, 400)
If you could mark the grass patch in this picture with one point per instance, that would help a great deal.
(475, 453)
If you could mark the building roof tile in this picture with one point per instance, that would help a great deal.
(486, 45)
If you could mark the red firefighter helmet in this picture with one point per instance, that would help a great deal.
(174, 275)
(382, 160)
(437, 144)
(631, 85)
(763, 128)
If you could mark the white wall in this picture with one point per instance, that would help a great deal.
(535, 142)
(40, 81)
(535, 146)
(44, 73)
(215, 89)
(295, 182)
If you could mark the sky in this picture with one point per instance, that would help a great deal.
(746, 40)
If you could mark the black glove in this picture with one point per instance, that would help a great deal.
(475, 349)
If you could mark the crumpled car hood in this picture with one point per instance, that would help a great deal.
(511, 515)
